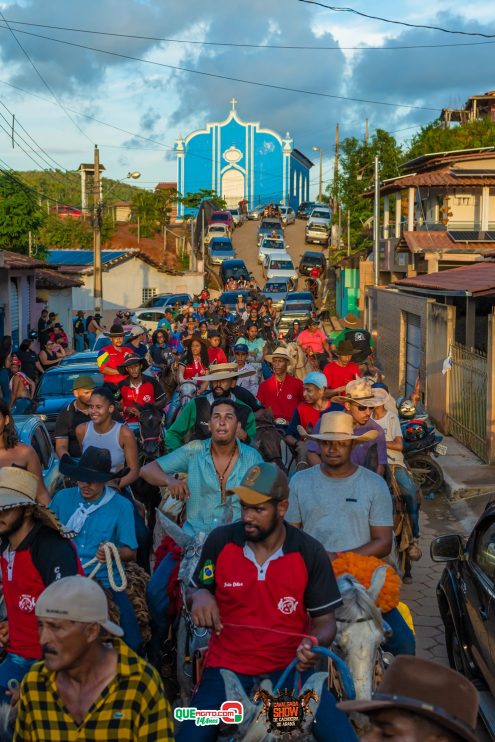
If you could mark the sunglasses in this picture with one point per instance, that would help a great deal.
(360, 407)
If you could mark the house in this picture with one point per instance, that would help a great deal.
(476, 107)
(121, 211)
(129, 277)
(18, 312)
(54, 290)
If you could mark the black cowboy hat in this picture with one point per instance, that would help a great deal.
(116, 331)
(129, 360)
(94, 466)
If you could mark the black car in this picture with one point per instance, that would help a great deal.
(311, 260)
(233, 269)
(466, 599)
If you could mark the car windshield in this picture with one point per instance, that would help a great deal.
(230, 297)
(284, 265)
(265, 224)
(60, 385)
(221, 246)
(236, 271)
(299, 306)
(275, 244)
(217, 228)
(219, 217)
(312, 260)
(275, 288)
(320, 214)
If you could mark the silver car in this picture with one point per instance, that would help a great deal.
(270, 244)
(288, 215)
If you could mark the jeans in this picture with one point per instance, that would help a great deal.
(402, 640)
(409, 491)
(79, 343)
(128, 621)
(91, 339)
(330, 724)
(14, 668)
(158, 603)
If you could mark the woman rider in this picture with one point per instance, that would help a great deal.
(293, 332)
(14, 453)
(196, 361)
(102, 431)
(48, 357)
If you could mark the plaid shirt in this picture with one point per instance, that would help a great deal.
(132, 707)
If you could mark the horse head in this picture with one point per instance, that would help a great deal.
(150, 429)
(187, 391)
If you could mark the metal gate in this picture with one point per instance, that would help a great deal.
(467, 398)
(413, 350)
(14, 313)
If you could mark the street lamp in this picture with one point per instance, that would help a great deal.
(97, 223)
(320, 195)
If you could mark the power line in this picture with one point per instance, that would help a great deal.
(338, 9)
(47, 86)
(234, 45)
(230, 78)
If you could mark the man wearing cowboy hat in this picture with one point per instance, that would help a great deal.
(112, 356)
(343, 370)
(359, 400)
(34, 553)
(282, 392)
(192, 423)
(96, 513)
(361, 339)
(419, 701)
(346, 506)
(137, 390)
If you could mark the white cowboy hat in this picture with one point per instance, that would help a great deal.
(361, 391)
(18, 489)
(279, 353)
(337, 426)
(221, 371)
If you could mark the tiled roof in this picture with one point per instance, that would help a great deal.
(16, 260)
(426, 241)
(444, 178)
(50, 279)
(475, 279)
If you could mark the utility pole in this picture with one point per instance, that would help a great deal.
(336, 172)
(376, 226)
(98, 282)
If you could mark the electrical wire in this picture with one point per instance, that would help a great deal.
(47, 86)
(270, 86)
(234, 45)
(338, 9)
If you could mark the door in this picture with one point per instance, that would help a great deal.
(413, 350)
(14, 312)
(233, 187)
(49, 462)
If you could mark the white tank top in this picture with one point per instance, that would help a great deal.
(109, 441)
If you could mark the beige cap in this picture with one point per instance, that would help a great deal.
(76, 598)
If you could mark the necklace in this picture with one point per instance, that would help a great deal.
(221, 476)
(279, 385)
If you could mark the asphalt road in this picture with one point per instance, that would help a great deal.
(245, 246)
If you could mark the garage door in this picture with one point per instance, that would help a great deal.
(413, 350)
(14, 313)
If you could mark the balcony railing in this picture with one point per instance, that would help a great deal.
(422, 226)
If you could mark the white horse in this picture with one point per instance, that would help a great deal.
(300, 365)
(360, 629)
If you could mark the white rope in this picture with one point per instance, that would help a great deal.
(110, 551)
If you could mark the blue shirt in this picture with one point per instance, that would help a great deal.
(113, 522)
(204, 508)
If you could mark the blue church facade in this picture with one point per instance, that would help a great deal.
(239, 160)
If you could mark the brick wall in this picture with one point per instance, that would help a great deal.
(390, 306)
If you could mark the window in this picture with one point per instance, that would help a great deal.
(148, 294)
(484, 550)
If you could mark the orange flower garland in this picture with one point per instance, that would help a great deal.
(362, 568)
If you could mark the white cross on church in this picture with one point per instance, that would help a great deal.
(233, 101)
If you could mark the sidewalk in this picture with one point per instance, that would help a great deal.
(465, 474)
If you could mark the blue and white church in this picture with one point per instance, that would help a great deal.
(240, 160)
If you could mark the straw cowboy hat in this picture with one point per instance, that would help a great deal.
(116, 331)
(279, 353)
(18, 489)
(221, 371)
(427, 689)
(362, 392)
(337, 426)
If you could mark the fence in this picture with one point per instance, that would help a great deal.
(468, 398)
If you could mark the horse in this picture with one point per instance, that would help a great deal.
(268, 439)
(150, 446)
(187, 391)
(300, 365)
(361, 630)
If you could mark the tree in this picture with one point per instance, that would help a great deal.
(193, 200)
(434, 137)
(59, 232)
(19, 214)
(153, 208)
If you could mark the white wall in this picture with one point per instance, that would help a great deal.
(59, 301)
(123, 285)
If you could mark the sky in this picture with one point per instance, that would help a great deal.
(67, 98)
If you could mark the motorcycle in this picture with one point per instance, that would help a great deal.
(422, 444)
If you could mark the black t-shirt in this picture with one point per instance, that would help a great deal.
(79, 326)
(360, 340)
(28, 360)
(66, 424)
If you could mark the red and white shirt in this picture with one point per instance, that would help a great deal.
(148, 391)
(281, 396)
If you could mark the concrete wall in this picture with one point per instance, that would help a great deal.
(439, 335)
(59, 301)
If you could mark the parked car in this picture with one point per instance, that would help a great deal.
(53, 391)
(270, 244)
(305, 209)
(230, 297)
(32, 431)
(312, 260)
(279, 265)
(292, 311)
(287, 214)
(86, 356)
(270, 227)
(165, 300)
(298, 296)
(233, 269)
(466, 600)
(276, 290)
(238, 216)
(216, 230)
(319, 226)
(147, 318)
(256, 212)
(220, 249)
(222, 217)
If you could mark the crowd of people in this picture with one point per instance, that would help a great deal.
(90, 581)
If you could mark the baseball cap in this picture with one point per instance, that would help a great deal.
(76, 598)
(261, 483)
(316, 378)
(84, 382)
(241, 348)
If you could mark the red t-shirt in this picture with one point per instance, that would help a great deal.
(148, 392)
(216, 355)
(282, 398)
(309, 415)
(193, 369)
(340, 375)
(295, 581)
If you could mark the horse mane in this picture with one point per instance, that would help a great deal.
(357, 602)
